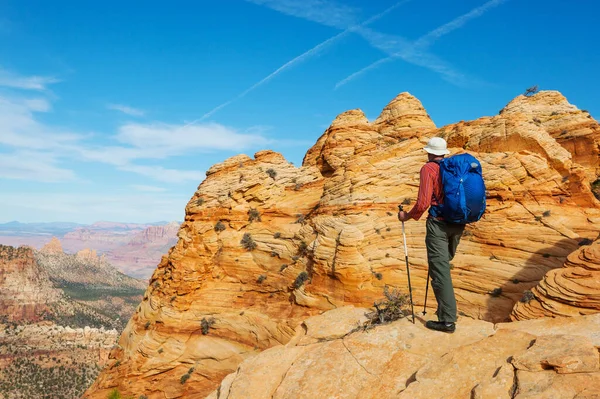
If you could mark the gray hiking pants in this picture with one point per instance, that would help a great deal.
(441, 242)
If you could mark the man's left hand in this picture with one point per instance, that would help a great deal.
(403, 216)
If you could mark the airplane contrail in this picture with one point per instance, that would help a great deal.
(414, 54)
(302, 57)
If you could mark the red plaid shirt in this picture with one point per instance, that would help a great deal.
(430, 190)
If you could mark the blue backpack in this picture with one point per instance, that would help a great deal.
(464, 190)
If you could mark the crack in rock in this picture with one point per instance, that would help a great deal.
(357, 362)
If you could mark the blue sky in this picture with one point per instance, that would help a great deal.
(114, 110)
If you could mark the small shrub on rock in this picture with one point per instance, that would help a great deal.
(261, 278)
(206, 324)
(272, 173)
(496, 292)
(300, 280)
(527, 296)
(247, 242)
(530, 91)
(219, 227)
(389, 309)
(184, 378)
(253, 215)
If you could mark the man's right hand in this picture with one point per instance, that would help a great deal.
(403, 216)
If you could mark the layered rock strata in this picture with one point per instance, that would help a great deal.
(265, 245)
(572, 290)
(26, 291)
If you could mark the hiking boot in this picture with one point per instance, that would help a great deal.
(441, 326)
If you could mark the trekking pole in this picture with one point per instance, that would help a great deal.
(426, 290)
(412, 308)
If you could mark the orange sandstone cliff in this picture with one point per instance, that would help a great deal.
(265, 244)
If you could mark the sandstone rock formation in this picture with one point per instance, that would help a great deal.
(572, 290)
(265, 245)
(53, 247)
(532, 359)
(48, 301)
(25, 289)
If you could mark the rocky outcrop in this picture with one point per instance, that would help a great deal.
(574, 130)
(265, 245)
(25, 289)
(85, 268)
(49, 303)
(572, 290)
(532, 359)
(53, 247)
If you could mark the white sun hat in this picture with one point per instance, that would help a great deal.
(437, 146)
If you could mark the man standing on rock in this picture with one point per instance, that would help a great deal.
(442, 238)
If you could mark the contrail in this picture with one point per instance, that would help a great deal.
(302, 57)
(289, 64)
(364, 70)
(414, 54)
(429, 38)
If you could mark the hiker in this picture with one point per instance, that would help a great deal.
(442, 237)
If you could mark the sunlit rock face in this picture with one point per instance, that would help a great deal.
(265, 244)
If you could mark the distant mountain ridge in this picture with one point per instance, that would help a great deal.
(134, 248)
(59, 229)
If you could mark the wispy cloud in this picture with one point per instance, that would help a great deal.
(416, 52)
(149, 189)
(165, 175)
(126, 109)
(15, 81)
(33, 166)
(35, 151)
(314, 10)
(20, 129)
(162, 141)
